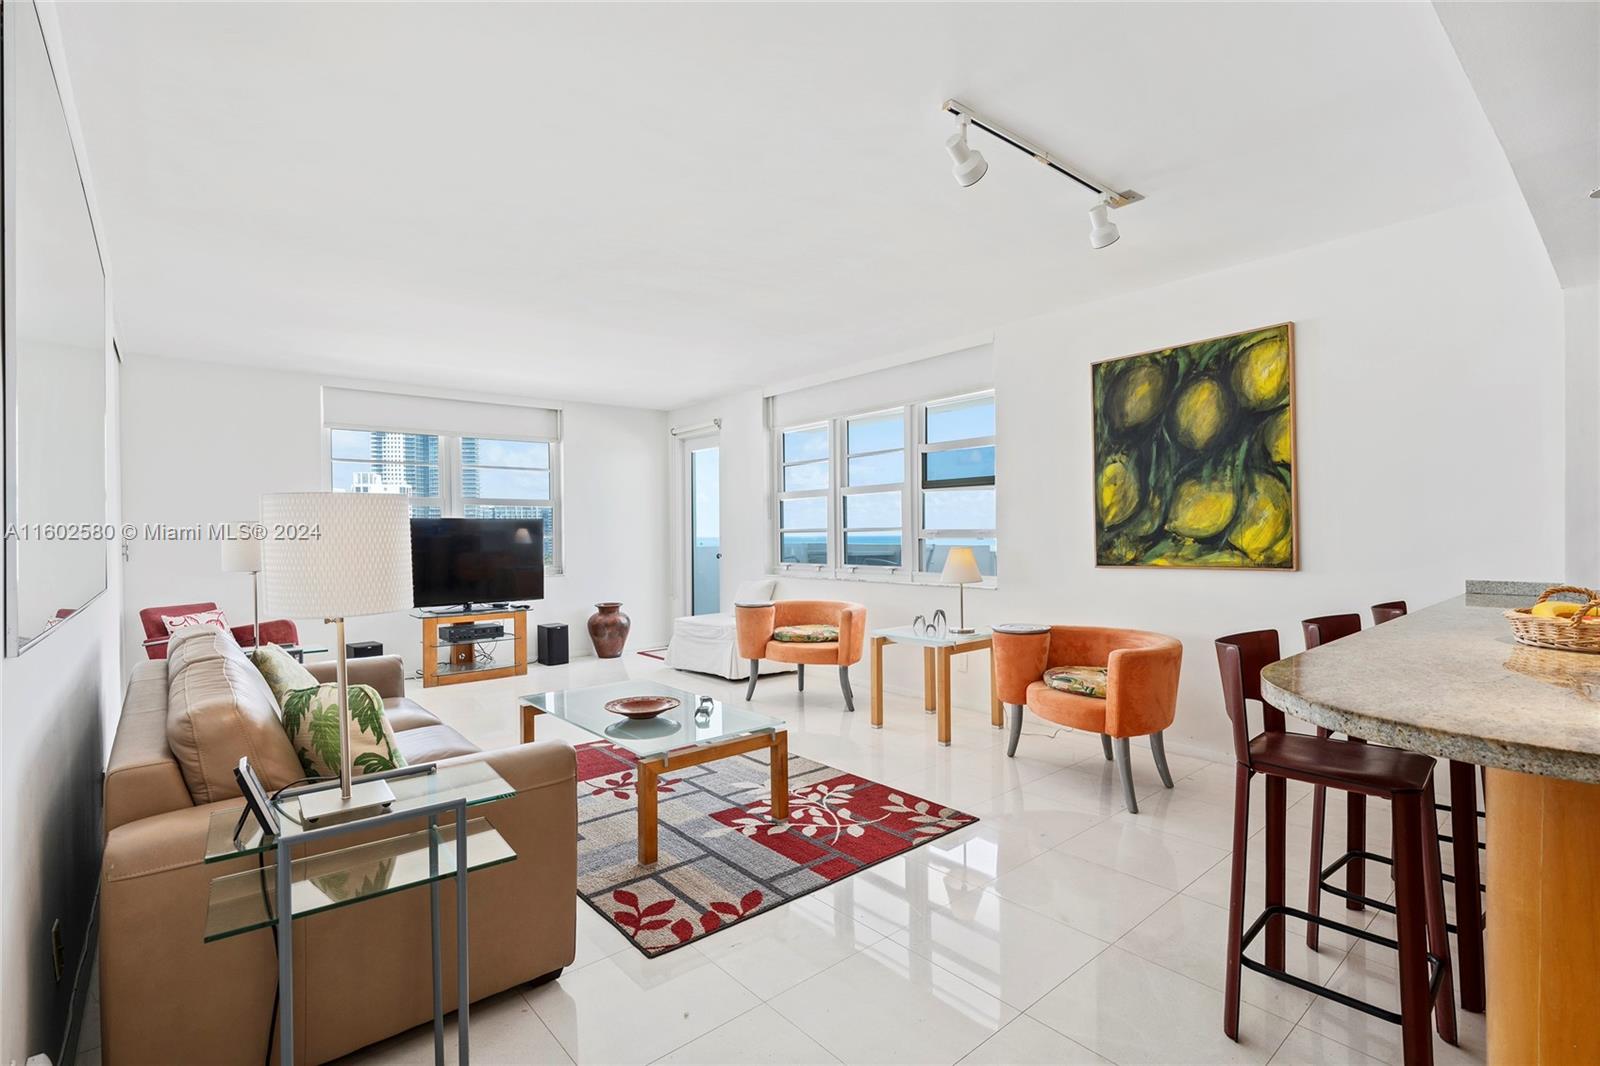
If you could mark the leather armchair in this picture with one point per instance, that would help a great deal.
(1141, 687)
(756, 623)
(273, 631)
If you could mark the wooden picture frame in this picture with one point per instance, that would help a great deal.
(1194, 455)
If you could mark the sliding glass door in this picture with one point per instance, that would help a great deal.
(705, 528)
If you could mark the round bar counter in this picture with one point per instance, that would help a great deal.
(1451, 681)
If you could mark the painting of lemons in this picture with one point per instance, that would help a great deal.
(1194, 454)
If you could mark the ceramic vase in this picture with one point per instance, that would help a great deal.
(608, 629)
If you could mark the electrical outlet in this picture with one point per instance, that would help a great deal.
(58, 950)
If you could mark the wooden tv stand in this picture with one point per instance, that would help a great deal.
(510, 651)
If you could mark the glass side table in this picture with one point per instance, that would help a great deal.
(938, 647)
(450, 847)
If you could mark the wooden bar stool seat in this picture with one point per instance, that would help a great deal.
(1403, 778)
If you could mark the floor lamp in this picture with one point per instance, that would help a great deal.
(337, 555)
(242, 555)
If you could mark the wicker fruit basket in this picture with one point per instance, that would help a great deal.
(1580, 632)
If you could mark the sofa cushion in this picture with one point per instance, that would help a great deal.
(807, 634)
(283, 673)
(430, 743)
(1078, 680)
(311, 721)
(219, 710)
(404, 714)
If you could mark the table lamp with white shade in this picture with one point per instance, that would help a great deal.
(961, 570)
(242, 555)
(336, 555)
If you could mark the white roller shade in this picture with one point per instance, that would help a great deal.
(370, 409)
(952, 374)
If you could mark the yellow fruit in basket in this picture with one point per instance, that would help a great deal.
(1555, 609)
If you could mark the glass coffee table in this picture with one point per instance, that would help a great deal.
(700, 729)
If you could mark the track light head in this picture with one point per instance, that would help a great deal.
(1102, 231)
(969, 165)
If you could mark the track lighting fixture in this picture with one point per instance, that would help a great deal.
(1102, 231)
(969, 165)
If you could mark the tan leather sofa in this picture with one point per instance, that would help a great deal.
(362, 973)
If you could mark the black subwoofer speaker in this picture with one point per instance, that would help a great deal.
(552, 643)
(363, 649)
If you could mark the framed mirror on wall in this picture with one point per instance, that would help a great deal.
(54, 342)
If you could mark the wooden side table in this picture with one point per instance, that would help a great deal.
(937, 651)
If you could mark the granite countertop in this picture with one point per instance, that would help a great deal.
(1451, 681)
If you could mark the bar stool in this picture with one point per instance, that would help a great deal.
(1405, 779)
(1320, 631)
(1464, 848)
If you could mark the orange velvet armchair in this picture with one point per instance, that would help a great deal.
(1141, 688)
(757, 622)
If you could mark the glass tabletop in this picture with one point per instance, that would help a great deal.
(678, 728)
(947, 639)
(247, 900)
(474, 781)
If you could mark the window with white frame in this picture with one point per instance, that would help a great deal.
(874, 491)
(804, 481)
(914, 481)
(450, 476)
(955, 470)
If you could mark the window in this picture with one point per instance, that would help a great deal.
(874, 490)
(914, 482)
(509, 479)
(377, 460)
(956, 468)
(454, 477)
(803, 496)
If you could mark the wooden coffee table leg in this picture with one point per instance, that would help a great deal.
(648, 779)
(930, 690)
(528, 715)
(780, 775)
(877, 681)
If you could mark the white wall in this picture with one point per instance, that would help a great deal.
(203, 441)
(1582, 324)
(59, 703)
(1430, 449)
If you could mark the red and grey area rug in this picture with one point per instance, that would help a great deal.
(721, 857)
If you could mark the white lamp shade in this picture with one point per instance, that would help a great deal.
(961, 567)
(240, 554)
(339, 555)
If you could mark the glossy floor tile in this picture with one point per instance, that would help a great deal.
(1057, 929)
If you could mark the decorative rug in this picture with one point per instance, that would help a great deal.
(721, 856)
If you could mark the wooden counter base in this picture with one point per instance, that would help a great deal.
(1543, 903)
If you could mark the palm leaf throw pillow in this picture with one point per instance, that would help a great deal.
(311, 719)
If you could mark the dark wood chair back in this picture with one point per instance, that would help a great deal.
(1240, 658)
(1329, 627)
(1388, 612)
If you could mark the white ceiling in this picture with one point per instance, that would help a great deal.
(653, 204)
(1536, 69)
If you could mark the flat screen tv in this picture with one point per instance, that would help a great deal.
(461, 561)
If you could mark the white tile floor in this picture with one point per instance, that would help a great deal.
(1058, 929)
